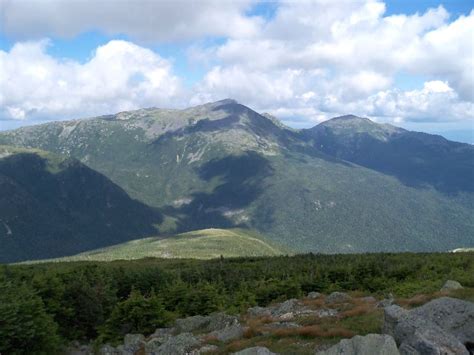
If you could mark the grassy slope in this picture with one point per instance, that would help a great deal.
(201, 244)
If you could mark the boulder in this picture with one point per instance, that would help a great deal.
(257, 350)
(108, 350)
(228, 333)
(392, 316)
(259, 312)
(441, 326)
(180, 344)
(289, 306)
(133, 342)
(338, 297)
(453, 315)
(371, 344)
(420, 336)
(219, 321)
(314, 295)
(190, 324)
(162, 335)
(451, 285)
(205, 349)
(369, 299)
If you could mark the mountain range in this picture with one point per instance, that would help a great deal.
(346, 185)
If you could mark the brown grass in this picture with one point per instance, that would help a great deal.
(314, 331)
(315, 303)
(415, 301)
(358, 310)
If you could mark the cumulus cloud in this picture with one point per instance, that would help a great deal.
(311, 61)
(141, 19)
(321, 58)
(119, 76)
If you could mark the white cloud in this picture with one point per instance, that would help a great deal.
(120, 76)
(141, 19)
(344, 57)
(311, 61)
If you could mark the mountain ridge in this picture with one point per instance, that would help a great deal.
(223, 165)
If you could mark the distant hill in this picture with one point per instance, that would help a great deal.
(346, 185)
(202, 244)
(51, 206)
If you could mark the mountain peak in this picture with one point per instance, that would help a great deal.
(349, 117)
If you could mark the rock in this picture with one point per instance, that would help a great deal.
(259, 312)
(451, 285)
(219, 321)
(369, 299)
(133, 342)
(229, 333)
(371, 344)
(314, 295)
(392, 316)
(338, 297)
(180, 344)
(420, 336)
(288, 306)
(108, 350)
(78, 349)
(152, 346)
(162, 335)
(286, 317)
(258, 350)
(205, 349)
(441, 326)
(450, 314)
(190, 324)
(385, 303)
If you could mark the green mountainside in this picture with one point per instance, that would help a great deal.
(201, 244)
(51, 206)
(328, 189)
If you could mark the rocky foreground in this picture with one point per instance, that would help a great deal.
(313, 325)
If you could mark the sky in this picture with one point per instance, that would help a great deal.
(408, 63)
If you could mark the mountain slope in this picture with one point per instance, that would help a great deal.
(51, 206)
(201, 244)
(223, 165)
(417, 159)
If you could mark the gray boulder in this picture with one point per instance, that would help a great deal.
(133, 342)
(259, 311)
(369, 299)
(180, 344)
(441, 326)
(228, 333)
(314, 295)
(219, 321)
(162, 335)
(204, 349)
(108, 350)
(451, 285)
(392, 316)
(289, 306)
(371, 344)
(190, 324)
(453, 315)
(257, 350)
(338, 297)
(420, 336)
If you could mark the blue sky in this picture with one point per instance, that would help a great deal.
(303, 62)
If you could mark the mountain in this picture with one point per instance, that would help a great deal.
(326, 189)
(51, 206)
(201, 244)
(417, 159)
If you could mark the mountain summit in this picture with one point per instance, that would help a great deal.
(346, 185)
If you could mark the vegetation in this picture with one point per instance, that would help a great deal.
(223, 165)
(42, 303)
(202, 244)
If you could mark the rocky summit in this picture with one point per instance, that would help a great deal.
(223, 165)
